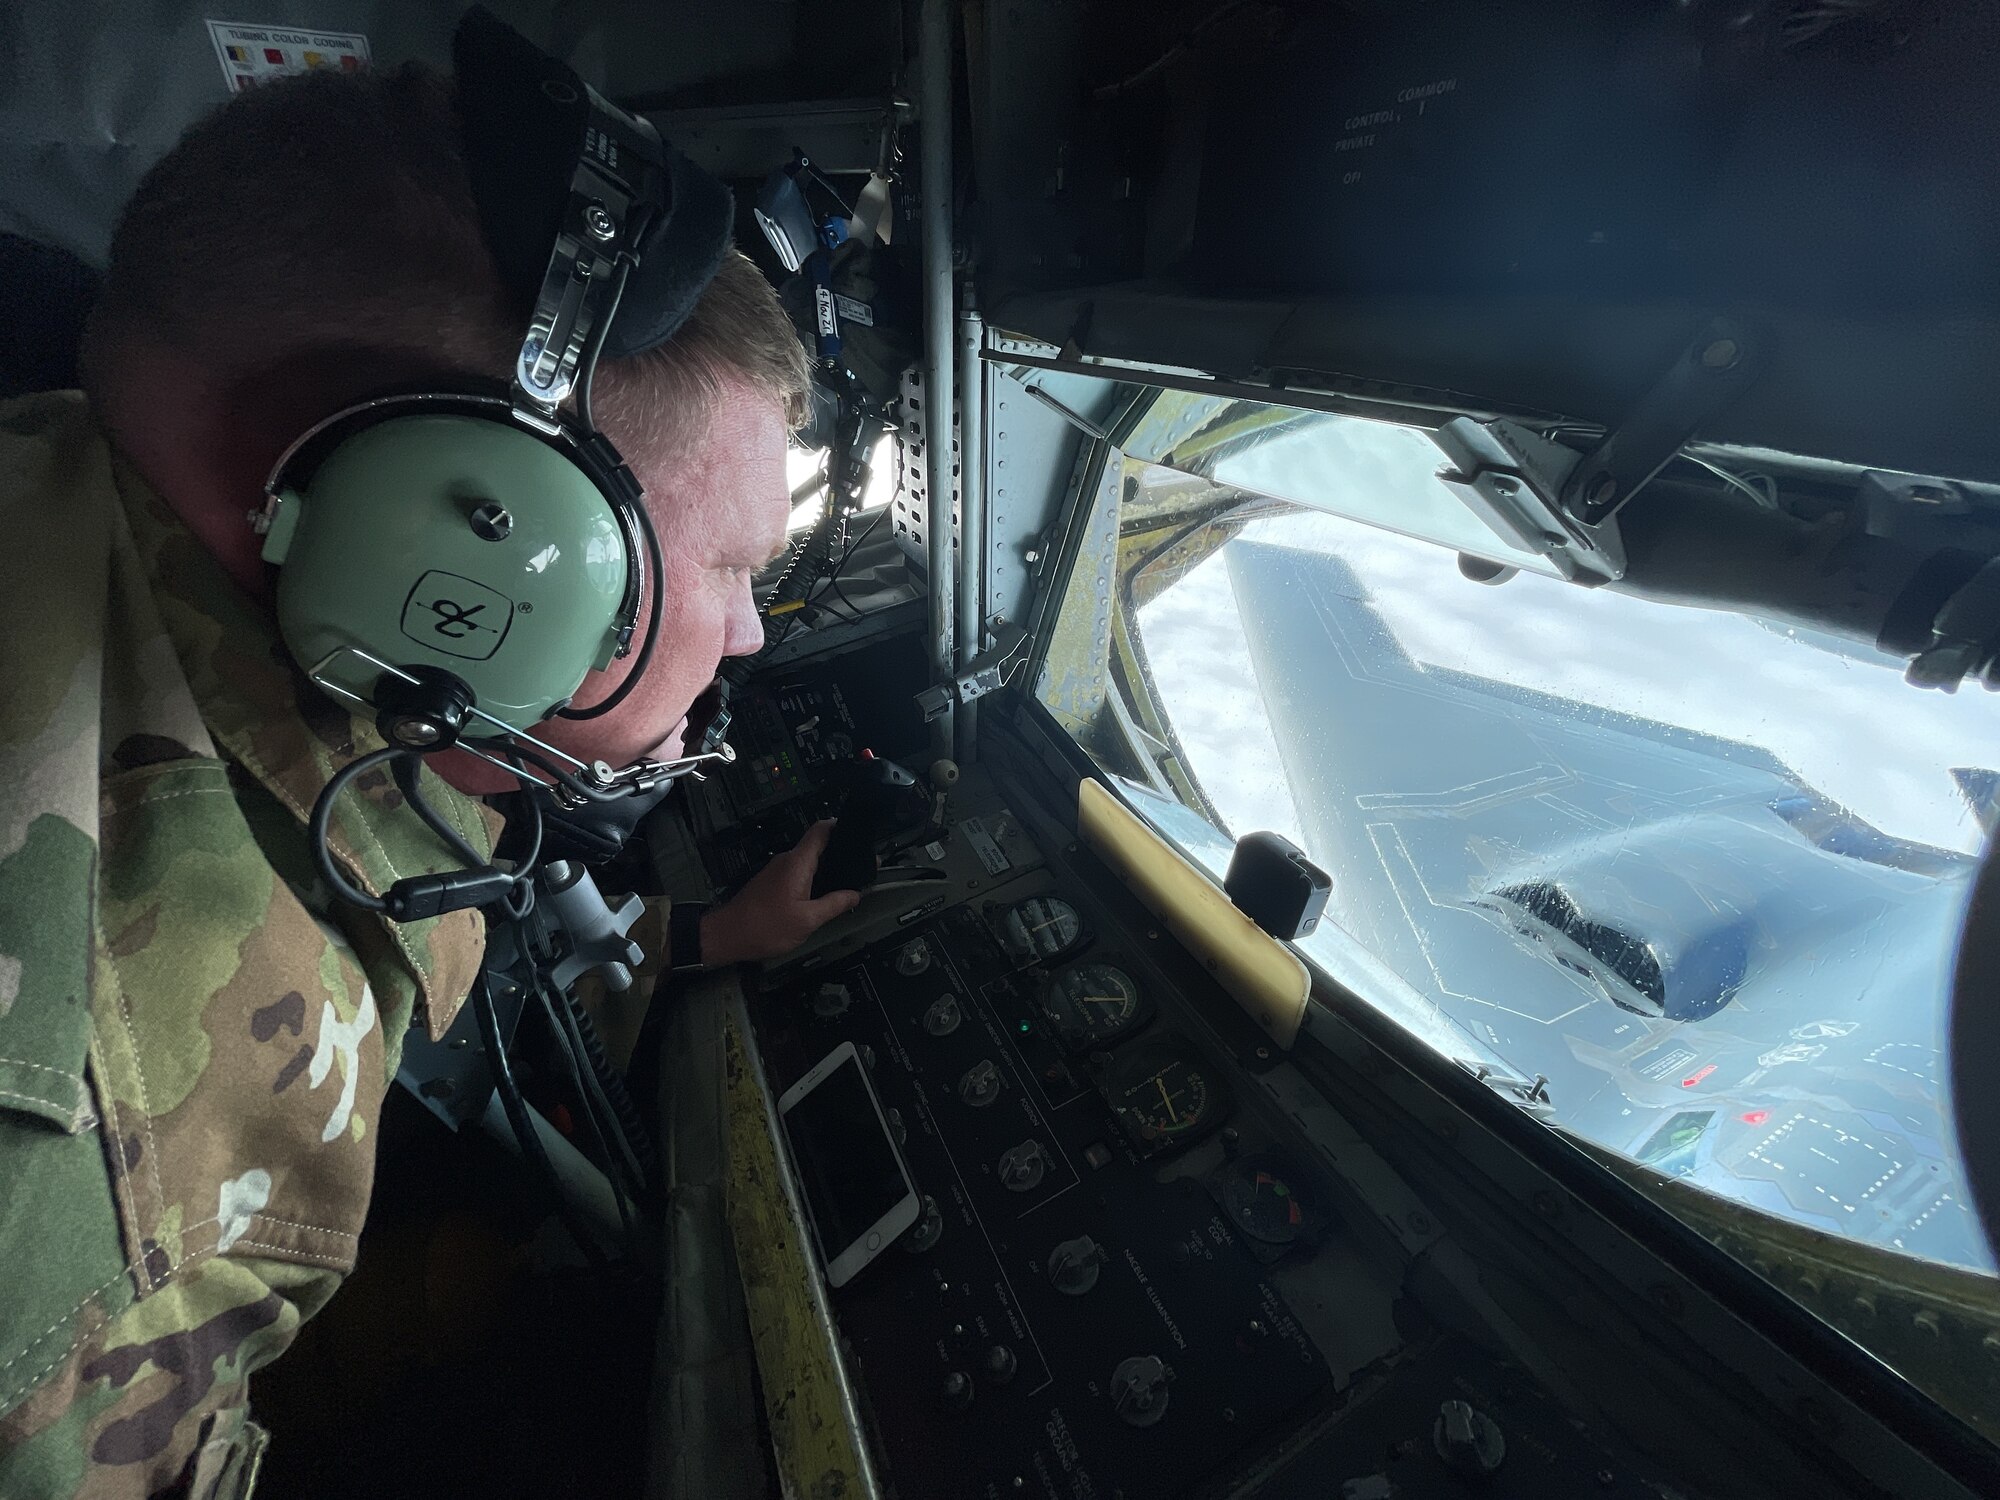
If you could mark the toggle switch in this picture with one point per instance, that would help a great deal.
(1073, 1265)
(1022, 1167)
(981, 1084)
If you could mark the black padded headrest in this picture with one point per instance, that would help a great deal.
(525, 115)
(45, 294)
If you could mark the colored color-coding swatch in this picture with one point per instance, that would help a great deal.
(251, 54)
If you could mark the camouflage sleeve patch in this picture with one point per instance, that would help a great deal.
(52, 644)
(239, 1062)
(137, 1403)
(44, 973)
(57, 1194)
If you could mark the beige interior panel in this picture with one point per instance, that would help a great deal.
(1265, 977)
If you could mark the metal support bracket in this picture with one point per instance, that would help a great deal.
(986, 673)
(1550, 499)
(1716, 367)
(1513, 480)
(598, 931)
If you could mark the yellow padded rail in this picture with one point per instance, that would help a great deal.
(811, 1438)
(1263, 976)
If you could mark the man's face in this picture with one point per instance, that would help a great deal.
(720, 512)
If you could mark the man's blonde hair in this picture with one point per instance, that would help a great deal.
(335, 212)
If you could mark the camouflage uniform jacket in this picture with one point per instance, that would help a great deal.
(191, 1064)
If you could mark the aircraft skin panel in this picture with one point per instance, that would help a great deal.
(1812, 1063)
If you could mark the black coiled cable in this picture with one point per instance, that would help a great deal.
(613, 1083)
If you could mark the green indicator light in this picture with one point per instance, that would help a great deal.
(1024, 1028)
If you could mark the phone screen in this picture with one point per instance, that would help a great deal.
(848, 1166)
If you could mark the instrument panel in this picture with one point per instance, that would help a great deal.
(1060, 1321)
(1126, 1279)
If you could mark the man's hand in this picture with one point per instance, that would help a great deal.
(776, 911)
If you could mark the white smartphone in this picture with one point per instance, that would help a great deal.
(857, 1186)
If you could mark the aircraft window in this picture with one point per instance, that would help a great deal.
(803, 472)
(1702, 872)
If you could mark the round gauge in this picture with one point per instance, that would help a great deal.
(1092, 1005)
(1164, 1096)
(1041, 930)
(1263, 1205)
(836, 747)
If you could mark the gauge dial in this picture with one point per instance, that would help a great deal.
(1165, 1096)
(1263, 1205)
(1092, 1005)
(1040, 930)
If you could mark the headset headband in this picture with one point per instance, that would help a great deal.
(571, 190)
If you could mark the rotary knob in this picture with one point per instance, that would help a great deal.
(1022, 1166)
(943, 1017)
(831, 1000)
(927, 1231)
(913, 958)
(981, 1084)
(958, 1390)
(1073, 1265)
(491, 522)
(1468, 1440)
(1139, 1389)
(1000, 1364)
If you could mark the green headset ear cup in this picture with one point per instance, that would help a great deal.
(458, 541)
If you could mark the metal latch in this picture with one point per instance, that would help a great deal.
(1513, 480)
(1531, 1094)
(986, 673)
(1551, 500)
